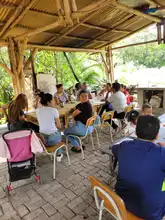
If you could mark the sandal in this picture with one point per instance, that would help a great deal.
(78, 151)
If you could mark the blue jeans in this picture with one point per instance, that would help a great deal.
(53, 139)
(78, 129)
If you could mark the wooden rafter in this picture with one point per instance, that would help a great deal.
(66, 31)
(103, 28)
(68, 13)
(136, 44)
(39, 30)
(121, 38)
(136, 12)
(23, 13)
(12, 18)
(62, 49)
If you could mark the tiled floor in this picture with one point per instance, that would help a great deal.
(68, 197)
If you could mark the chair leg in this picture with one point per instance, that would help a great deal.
(111, 136)
(93, 146)
(54, 165)
(97, 137)
(67, 153)
(100, 214)
(82, 151)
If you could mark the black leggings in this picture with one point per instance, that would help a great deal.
(118, 116)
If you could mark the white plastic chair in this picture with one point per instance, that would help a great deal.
(104, 122)
(52, 151)
(90, 122)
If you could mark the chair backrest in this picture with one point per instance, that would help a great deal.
(129, 108)
(91, 121)
(112, 202)
(107, 116)
(19, 145)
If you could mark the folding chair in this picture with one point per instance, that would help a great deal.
(106, 199)
(52, 151)
(90, 122)
(107, 116)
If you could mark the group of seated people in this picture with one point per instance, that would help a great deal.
(48, 116)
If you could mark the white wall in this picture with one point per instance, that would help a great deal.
(46, 83)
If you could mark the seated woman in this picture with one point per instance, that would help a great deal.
(60, 96)
(16, 115)
(81, 114)
(49, 122)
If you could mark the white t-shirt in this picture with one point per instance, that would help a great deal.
(118, 101)
(46, 117)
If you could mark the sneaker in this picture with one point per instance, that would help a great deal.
(59, 157)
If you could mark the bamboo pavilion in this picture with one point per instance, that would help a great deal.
(71, 25)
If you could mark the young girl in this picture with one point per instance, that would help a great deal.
(49, 122)
(60, 96)
(146, 109)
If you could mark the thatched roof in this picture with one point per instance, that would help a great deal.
(73, 23)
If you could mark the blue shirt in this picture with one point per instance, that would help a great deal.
(140, 178)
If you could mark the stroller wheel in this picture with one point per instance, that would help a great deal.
(8, 190)
(38, 179)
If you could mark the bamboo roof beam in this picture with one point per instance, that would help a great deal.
(136, 44)
(12, 18)
(94, 26)
(12, 6)
(63, 49)
(154, 3)
(121, 38)
(23, 13)
(136, 12)
(66, 31)
(39, 30)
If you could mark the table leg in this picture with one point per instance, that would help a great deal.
(140, 97)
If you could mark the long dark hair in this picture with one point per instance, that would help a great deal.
(45, 98)
(16, 106)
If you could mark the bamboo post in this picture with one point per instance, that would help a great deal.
(159, 33)
(74, 8)
(67, 11)
(109, 61)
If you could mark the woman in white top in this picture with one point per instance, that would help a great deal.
(49, 122)
(118, 102)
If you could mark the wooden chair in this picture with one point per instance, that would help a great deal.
(104, 122)
(90, 122)
(106, 199)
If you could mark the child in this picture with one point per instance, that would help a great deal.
(146, 109)
(141, 171)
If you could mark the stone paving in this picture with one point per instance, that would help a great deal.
(69, 197)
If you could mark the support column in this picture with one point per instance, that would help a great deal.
(110, 66)
(16, 51)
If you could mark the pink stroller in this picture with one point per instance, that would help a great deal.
(21, 164)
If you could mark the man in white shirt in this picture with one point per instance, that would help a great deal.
(118, 102)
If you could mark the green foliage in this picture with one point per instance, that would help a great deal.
(6, 90)
(87, 67)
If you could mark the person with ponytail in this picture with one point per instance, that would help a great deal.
(16, 115)
(49, 122)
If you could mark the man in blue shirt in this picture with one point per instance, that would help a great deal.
(142, 171)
